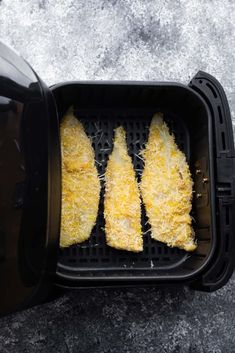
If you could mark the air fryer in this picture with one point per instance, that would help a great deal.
(31, 263)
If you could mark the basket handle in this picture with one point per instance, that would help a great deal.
(223, 261)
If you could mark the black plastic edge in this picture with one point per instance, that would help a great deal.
(45, 286)
(54, 183)
(222, 266)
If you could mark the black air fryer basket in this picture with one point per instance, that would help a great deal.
(30, 182)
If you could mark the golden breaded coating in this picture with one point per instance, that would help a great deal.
(122, 205)
(166, 188)
(80, 183)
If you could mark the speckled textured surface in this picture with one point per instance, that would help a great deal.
(128, 40)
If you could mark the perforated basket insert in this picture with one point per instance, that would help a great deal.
(94, 254)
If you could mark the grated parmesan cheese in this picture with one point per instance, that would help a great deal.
(122, 205)
(166, 188)
(80, 183)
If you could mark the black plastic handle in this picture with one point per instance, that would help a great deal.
(223, 262)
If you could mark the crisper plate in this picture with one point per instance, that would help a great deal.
(94, 254)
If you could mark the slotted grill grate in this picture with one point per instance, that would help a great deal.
(94, 253)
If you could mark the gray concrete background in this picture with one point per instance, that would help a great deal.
(127, 40)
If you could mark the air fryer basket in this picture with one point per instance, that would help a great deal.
(103, 106)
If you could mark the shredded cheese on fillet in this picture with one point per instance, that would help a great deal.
(122, 205)
(166, 188)
(80, 183)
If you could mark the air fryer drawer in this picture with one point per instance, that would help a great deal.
(103, 106)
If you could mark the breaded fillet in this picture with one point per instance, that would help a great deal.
(80, 183)
(166, 188)
(122, 205)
